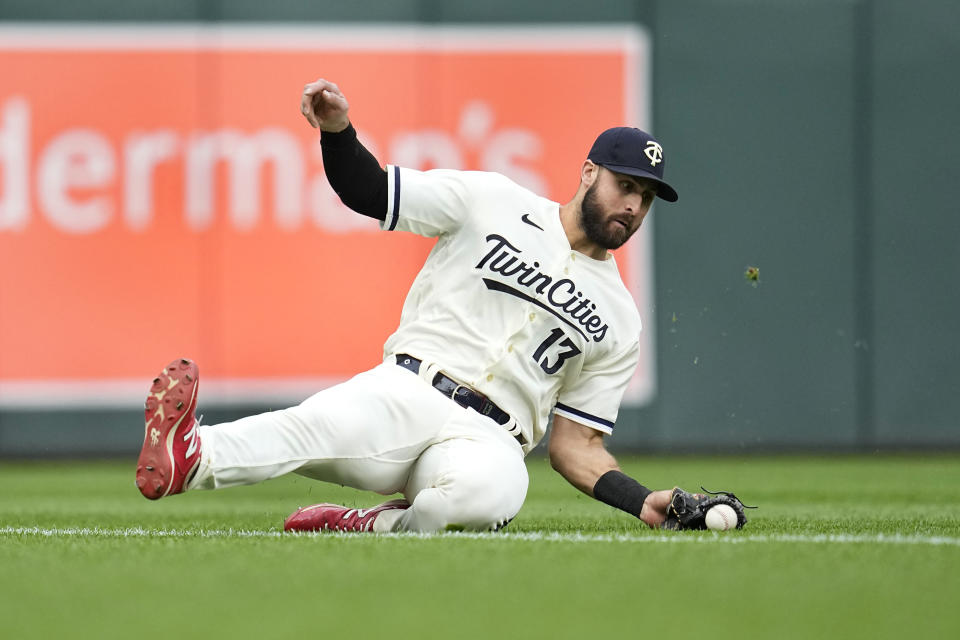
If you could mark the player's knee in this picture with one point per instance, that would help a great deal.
(485, 507)
(477, 501)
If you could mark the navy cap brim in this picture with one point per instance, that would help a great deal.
(664, 190)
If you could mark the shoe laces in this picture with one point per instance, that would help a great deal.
(359, 525)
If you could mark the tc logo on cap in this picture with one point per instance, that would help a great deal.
(655, 152)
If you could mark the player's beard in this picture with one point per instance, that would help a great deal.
(597, 226)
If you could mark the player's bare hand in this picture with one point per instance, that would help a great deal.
(654, 510)
(324, 106)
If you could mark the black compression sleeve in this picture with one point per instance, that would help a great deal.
(621, 491)
(354, 173)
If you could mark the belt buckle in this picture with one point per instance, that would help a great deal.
(472, 399)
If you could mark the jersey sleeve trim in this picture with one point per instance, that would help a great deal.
(584, 418)
(393, 199)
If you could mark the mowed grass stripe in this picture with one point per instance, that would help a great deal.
(842, 547)
(702, 538)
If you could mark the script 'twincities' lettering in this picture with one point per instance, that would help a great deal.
(504, 258)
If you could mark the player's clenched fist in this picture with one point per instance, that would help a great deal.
(324, 106)
(654, 510)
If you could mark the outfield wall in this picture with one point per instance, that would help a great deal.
(810, 139)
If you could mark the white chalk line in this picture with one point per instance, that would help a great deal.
(665, 538)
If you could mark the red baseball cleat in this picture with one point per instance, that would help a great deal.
(333, 517)
(171, 444)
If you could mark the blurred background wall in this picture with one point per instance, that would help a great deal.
(813, 139)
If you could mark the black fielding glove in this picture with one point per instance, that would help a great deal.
(689, 510)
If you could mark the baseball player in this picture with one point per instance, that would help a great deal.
(518, 315)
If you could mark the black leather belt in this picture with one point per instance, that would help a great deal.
(461, 394)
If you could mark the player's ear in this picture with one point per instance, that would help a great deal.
(588, 173)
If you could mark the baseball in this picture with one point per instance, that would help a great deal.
(721, 518)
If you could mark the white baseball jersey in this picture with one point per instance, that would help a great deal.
(504, 305)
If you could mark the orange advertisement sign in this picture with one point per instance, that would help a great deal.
(161, 195)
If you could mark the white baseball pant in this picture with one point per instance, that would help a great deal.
(385, 430)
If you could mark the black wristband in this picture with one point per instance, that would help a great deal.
(619, 490)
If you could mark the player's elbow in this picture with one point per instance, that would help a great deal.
(560, 456)
(555, 461)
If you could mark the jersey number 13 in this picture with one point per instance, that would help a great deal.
(561, 356)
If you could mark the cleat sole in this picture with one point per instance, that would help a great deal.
(155, 468)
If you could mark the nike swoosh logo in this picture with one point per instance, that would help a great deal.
(526, 218)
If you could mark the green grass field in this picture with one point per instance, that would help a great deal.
(841, 547)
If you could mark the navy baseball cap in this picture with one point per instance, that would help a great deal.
(633, 152)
